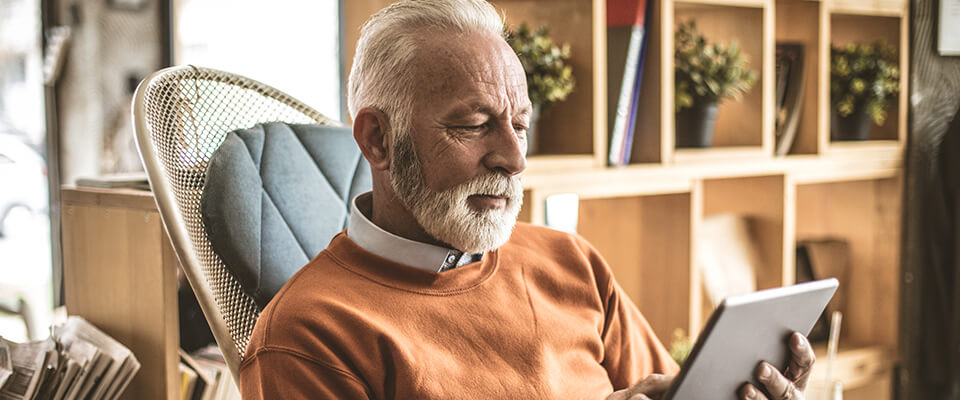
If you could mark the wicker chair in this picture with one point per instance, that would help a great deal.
(181, 116)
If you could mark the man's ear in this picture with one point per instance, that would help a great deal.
(371, 131)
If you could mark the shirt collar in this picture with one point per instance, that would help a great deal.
(420, 255)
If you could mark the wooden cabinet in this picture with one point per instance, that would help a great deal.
(645, 217)
(120, 273)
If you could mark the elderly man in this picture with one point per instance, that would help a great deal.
(432, 292)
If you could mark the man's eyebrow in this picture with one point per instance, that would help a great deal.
(485, 109)
(525, 110)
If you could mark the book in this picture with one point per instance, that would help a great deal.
(727, 256)
(188, 379)
(824, 258)
(626, 44)
(790, 85)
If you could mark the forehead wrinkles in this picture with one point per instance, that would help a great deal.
(471, 66)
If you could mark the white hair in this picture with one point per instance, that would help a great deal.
(381, 76)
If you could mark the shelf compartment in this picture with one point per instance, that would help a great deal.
(867, 215)
(800, 21)
(764, 208)
(747, 122)
(849, 27)
(566, 127)
(646, 239)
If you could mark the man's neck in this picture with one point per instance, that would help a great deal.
(389, 213)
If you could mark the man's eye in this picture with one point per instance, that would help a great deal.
(469, 129)
(521, 130)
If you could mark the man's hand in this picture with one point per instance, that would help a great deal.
(789, 385)
(650, 388)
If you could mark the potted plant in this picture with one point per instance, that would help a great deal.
(705, 75)
(863, 80)
(549, 75)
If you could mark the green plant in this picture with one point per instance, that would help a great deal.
(863, 75)
(681, 346)
(549, 76)
(707, 72)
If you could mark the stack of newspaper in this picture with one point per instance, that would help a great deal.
(78, 362)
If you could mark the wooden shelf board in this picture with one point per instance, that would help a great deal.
(870, 149)
(724, 3)
(538, 164)
(875, 8)
(644, 179)
(126, 198)
(853, 366)
(651, 179)
(719, 154)
(842, 171)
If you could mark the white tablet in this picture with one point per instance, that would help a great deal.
(742, 332)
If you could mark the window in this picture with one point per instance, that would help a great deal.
(25, 256)
(291, 45)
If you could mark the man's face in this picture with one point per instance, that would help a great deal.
(457, 160)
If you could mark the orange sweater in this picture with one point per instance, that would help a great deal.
(539, 318)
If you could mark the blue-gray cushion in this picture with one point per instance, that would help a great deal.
(274, 196)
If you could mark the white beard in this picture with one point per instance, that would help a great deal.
(446, 215)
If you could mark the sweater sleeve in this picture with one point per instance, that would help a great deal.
(274, 373)
(631, 348)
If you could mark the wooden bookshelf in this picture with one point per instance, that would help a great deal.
(644, 217)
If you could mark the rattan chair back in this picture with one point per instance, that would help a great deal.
(181, 116)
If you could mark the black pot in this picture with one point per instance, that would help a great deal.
(855, 126)
(695, 125)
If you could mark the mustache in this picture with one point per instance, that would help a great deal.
(492, 184)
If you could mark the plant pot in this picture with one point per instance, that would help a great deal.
(532, 130)
(855, 126)
(694, 125)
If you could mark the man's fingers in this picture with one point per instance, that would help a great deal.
(801, 361)
(748, 392)
(776, 384)
(653, 385)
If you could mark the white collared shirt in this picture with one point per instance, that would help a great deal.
(374, 239)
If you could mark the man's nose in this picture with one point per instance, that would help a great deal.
(506, 151)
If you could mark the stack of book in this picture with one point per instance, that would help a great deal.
(204, 375)
(626, 53)
(77, 362)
